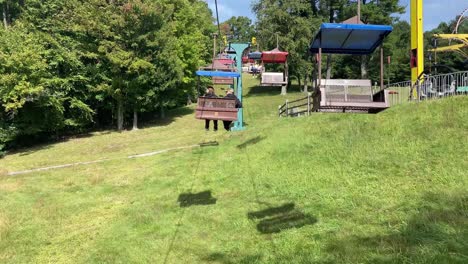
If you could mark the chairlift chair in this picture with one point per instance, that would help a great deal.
(214, 108)
(224, 64)
(274, 78)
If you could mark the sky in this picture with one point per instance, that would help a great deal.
(435, 11)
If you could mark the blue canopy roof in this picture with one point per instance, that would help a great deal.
(349, 38)
(218, 74)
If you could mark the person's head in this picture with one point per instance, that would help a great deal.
(210, 90)
(230, 91)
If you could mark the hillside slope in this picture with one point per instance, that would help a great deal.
(330, 188)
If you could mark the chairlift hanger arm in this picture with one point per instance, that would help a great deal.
(460, 37)
(448, 48)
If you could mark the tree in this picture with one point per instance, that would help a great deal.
(69, 65)
(238, 29)
(372, 12)
(294, 22)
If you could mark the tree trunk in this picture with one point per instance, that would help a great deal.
(299, 81)
(364, 74)
(135, 120)
(5, 15)
(329, 60)
(8, 14)
(306, 88)
(163, 112)
(120, 117)
(314, 78)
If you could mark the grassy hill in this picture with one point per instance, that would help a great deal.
(330, 188)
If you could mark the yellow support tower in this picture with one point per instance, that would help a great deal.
(417, 41)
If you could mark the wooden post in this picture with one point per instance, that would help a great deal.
(287, 108)
(308, 103)
(346, 93)
(381, 68)
(320, 68)
(317, 92)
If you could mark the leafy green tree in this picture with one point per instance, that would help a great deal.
(372, 12)
(69, 65)
(238, 29)
(293, 24)
(10, 10)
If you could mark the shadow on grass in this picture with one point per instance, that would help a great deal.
(171, 116)
(251, 141)
(31, 144)
(272, 90)
(231, 259)
(277, 219)
(201, 198)
(271, 211)
(263, 90)
(438, 233)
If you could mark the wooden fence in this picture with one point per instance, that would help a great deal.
(298, 107)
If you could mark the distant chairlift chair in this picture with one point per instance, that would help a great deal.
(349, 95)
(275, 78)
(222, 64)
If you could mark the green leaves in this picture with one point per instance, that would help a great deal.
(65, 63)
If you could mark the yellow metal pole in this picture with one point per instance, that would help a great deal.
(417, 41)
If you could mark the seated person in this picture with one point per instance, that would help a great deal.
(230, 95)
(210, 93)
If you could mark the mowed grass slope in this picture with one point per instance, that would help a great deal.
(330, 188)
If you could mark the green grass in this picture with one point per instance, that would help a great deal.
(330, 188)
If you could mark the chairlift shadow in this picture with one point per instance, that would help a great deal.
(201, 198)
(263, 90)
(278, 219)
(271, 211)
(251, 141)
(208, 144)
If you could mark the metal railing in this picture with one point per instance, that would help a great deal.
(429, 87)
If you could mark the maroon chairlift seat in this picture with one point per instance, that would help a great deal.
(274, 56)
(216, 109)
(274, 78)
(221, 65)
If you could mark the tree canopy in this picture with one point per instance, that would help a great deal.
(68, 66)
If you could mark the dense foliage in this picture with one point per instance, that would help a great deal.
(68, 66)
